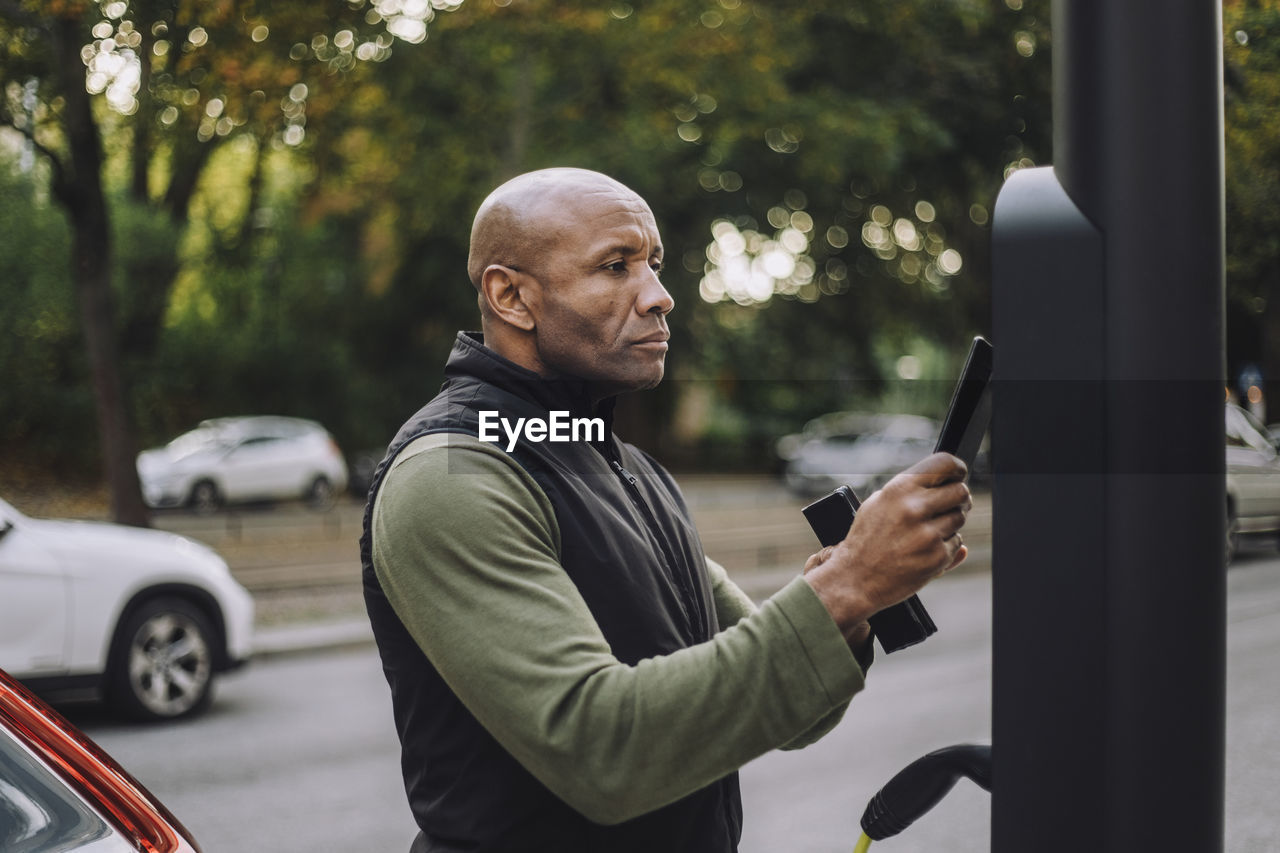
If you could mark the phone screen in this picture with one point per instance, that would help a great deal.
(970, 410)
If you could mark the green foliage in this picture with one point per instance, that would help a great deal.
(48, 412)
(1251, 49)
(323, 273)
(146, 242)
(302, 250)
(718, 110)
(266, 338)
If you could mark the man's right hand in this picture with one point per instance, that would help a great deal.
(902, 537)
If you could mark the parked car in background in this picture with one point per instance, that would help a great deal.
(236, 460)
(141, 618)
(1253, 479)
(59, 791)
(863, 460)
(847, 426)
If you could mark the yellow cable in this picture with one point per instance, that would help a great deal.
(863, 843)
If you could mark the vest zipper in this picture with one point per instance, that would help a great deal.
(683, 580)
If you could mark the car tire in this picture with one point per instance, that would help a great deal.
(162, 661)
(205, 499)
(320, 494)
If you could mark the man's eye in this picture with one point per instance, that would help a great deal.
(617, 266)
(657, 267)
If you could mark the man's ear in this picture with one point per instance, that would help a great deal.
(505, 291)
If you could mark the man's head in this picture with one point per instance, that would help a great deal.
(566, 264)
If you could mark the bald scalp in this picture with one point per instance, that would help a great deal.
(518, 223)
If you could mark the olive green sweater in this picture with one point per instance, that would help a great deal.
(466, 548)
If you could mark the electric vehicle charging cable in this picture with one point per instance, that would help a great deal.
(919, 787)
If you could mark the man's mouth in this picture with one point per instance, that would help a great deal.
(657, 340)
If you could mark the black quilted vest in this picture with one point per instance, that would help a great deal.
(629, 545)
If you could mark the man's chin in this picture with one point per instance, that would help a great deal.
(654, 380)
(614, 387)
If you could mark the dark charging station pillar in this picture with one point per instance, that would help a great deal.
(1107, 438)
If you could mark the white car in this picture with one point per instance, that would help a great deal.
(864, 461)
(234, 460)
(1253, 478)
(142, 618)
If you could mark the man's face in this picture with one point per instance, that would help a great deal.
(600, 309)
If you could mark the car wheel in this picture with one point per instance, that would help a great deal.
(162, 663)
(319, 494)
(1233, 534)
(204, 498)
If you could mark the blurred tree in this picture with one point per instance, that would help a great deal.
(43, 77)
(168, 81)
(732, 110)
(889, 161)
(40, 341)
(291, 222)
(1252, 56)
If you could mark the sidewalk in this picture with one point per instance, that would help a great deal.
(308, 637)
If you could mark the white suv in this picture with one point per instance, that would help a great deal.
(142, 618)
(233, 460)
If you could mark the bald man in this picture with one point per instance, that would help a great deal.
(568, 670)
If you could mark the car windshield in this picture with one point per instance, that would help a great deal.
(199, 440)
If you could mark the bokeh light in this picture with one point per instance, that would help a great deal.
(406, 20)
(748, 267)
(112, 66)
(908, 367)
(911, 249)
(1025, 43)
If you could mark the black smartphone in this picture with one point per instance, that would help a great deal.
(970, 411)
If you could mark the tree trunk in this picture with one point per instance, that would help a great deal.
(140, 166)
(188, 161)
(80, 193)
(243, 243)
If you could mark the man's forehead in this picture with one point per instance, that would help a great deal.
(602, 220)
(594, 200)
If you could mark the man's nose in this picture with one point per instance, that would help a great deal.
(654, 298)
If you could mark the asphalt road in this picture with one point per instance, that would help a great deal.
(938, 694)
(298, 753)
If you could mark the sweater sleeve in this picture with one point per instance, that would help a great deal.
(733, 605)
(465, 544)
